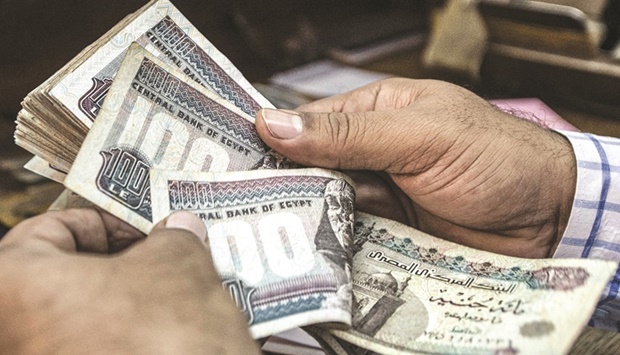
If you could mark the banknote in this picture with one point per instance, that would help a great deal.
(57, 114)
(155, 115)
(39, 166)
(164, 31)
(69, 199)
(414, 293)
(280, 240)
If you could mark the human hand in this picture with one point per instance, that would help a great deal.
(447, 161)
(160, 295)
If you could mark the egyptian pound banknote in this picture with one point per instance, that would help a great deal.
(414, 293)
(164, 31)
(280, 239)
(57, 114)
(40, 166)
(68, 199)
(155, 116)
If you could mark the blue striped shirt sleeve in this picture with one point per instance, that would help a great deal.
(593, 229)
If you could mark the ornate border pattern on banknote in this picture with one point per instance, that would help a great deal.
(556, 278)
(190, 98)
(173, 42)
(169, 34)
(292, 296)
(191, 195)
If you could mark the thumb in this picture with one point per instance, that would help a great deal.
(336, 140)
(180, 236)
(184, 221)
(182, 232)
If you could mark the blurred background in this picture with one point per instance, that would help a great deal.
(548, 58)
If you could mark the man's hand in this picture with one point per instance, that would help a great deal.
(448, 162)
(160, 295)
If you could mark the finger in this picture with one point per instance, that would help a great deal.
(88, 230)
(337, 140)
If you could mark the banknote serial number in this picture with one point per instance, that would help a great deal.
(467, 339)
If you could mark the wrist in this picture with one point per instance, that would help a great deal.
(566, 178)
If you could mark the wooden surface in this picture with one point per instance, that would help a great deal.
(593, 341)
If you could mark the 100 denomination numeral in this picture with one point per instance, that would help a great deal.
(166, 139)
(281, 247)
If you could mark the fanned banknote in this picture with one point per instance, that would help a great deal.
(39, 166)
(68, 199)
(280, 239)
(56, 115)
(161, 29)
(414, 293)
(155, 115)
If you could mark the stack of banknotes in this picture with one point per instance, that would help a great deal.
(152, 119)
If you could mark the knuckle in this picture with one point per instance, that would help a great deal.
(345, 130)
(348, 135)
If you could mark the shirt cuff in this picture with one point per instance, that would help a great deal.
(593, 228)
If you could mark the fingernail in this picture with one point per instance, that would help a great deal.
(187, 221)
(283, 124)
